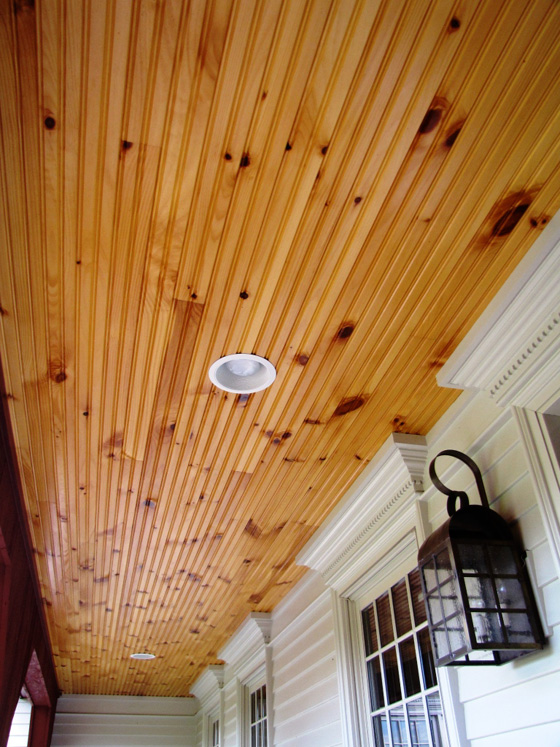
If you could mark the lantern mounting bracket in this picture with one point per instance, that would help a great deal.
(458, 494)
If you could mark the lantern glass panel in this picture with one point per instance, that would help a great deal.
(487, 627)
(510, 593)
(449, 598)
(430, 576)
(518, 627)
(473, 559)
(418, 606)
(480, 592)
(441, 642)
(443, 563)
(457, 639)
(502, 560)
(436, 610)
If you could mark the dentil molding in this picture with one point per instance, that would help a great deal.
(513, 351)
(376, 503)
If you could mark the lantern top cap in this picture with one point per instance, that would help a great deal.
(472, 523)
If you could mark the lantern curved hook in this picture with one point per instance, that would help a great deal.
(460, 494)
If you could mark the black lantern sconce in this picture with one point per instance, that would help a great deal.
(479, 601)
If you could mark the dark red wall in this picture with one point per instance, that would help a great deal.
(25, 654)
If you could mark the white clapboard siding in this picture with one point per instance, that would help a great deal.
(199, 728)
(97, 730)
(230, 714)
(19, 731)
(516, 704)
(306, 697)
(83, 721)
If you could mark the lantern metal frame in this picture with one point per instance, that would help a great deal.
(473, 621)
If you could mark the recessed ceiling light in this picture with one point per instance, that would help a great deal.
(242, 373)
(142, 656)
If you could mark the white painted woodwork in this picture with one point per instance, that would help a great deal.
(112, 721)
(19, 730)
(513, 350)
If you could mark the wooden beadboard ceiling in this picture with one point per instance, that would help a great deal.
(339, 186)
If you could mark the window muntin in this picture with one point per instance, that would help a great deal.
(405, 704)
(258, 717)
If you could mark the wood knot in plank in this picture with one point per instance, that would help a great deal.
(349, 404)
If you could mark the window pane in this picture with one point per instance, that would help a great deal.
(392, 675)
(418, 605)
(409, 666)
(428, 668)
(385, 623)
(370, 630)
(253, 707)
(437, 724)
(254, 737)
(263, 701)
(398, 727)
(381, 732)
(375, 684)
(401, 608)
(393, 669)
(417, 723)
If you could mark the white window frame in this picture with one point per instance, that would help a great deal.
(249, 654)
(373, 591)
(211, 718)
(250, 690)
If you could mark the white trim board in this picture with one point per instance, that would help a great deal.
(134, 705)
(245, 651)
(389, 487)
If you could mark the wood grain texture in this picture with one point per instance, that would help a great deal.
(340, 186)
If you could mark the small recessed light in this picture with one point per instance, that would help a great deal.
(242, 373)
(142, 656)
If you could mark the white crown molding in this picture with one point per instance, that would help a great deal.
(217, 670)
(341, 548)
(513, 351)
(207, 687)
(245, 651)
(133, 705)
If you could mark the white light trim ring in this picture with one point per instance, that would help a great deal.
(142, 656)
(242, 373)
